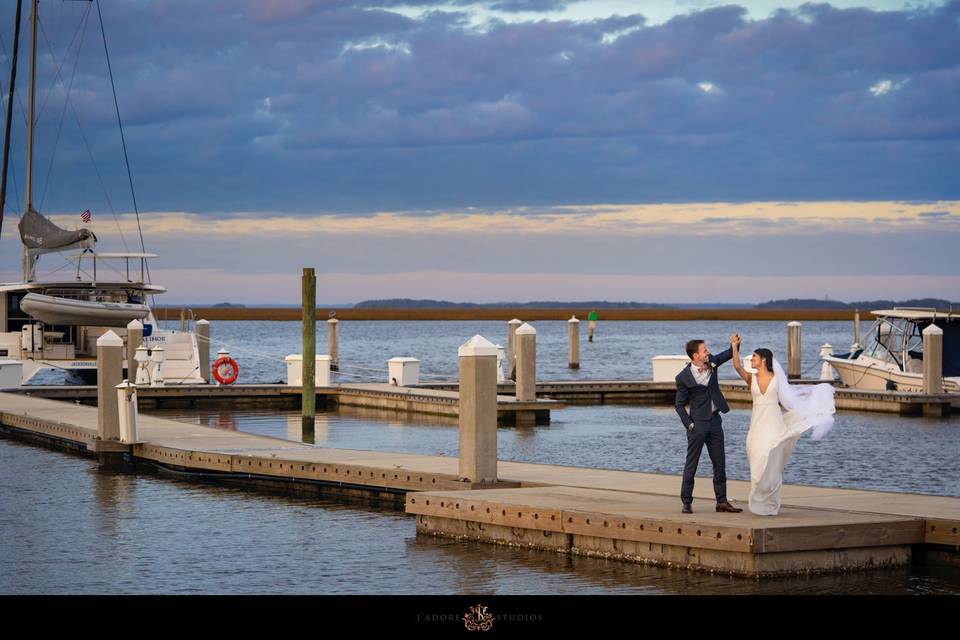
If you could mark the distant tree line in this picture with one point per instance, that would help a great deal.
(810, 303)
(407, 303)
(790, 303)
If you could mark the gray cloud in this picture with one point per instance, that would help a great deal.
(350, 106)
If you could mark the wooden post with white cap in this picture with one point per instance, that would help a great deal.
(478, 410)
(512, 348)
(573, 338)
(333, 343)
(526, 342)
(933, 369)
(109, 375)
(203, 346)
(134, 339)
(793, 350)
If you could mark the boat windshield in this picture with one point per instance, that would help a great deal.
(898, 341)
(888, 339)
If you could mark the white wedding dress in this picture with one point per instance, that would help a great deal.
(774, 433)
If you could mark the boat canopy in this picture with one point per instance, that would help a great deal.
(916, 314)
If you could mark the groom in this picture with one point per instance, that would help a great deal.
(697, 385)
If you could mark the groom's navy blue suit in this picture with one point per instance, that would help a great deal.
(704, 425)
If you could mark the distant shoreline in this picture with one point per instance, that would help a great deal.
(504, 314)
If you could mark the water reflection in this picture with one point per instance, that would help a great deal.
(321, 429)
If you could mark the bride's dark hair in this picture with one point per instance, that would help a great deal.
(767, 356)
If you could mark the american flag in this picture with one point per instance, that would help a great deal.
(85, 216)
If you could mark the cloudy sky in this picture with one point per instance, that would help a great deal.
(669, 151)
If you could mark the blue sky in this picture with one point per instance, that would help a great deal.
(425, 149)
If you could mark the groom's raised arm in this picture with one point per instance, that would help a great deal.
(722, 357)
(683, 395)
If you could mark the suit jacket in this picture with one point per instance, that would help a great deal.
(699, 396)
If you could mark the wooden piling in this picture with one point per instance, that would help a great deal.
(933, 360)
(134, 339)
(333, 343)
(793, 350)
(478, 410)
(203, 345)
(573, 338)
(308, 401)
(512, 348)
(526, 343)
(109, 375)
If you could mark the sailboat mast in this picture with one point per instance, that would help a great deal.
(30, 109)
(9, 118)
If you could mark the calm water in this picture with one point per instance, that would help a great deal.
(620, 351)
(70, 528)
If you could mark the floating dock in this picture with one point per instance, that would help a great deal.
(644, 392)
(597, 512)
(650, 529)
(441, 398)
(382, 396)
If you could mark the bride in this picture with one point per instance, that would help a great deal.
(773, 433)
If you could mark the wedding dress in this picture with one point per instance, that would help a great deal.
(773, 433)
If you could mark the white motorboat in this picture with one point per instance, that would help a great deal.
(893, 357)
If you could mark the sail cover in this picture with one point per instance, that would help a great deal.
(41, 235)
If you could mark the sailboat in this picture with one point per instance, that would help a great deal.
(55, 324)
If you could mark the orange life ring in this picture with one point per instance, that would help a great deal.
(223, 362)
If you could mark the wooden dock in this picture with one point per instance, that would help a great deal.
(648, 528)
(645, 392)
(441, 398)
(439, 402)
(616, 514)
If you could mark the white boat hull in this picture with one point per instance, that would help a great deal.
(872, 375)
(65, 311)
(181, 364)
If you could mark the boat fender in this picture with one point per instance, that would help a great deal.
(220, 368)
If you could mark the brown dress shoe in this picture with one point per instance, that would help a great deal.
(687, 509)
(727, 507)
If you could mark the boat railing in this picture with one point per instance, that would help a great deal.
(188, 320)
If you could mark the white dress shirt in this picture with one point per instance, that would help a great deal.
(704, 379)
